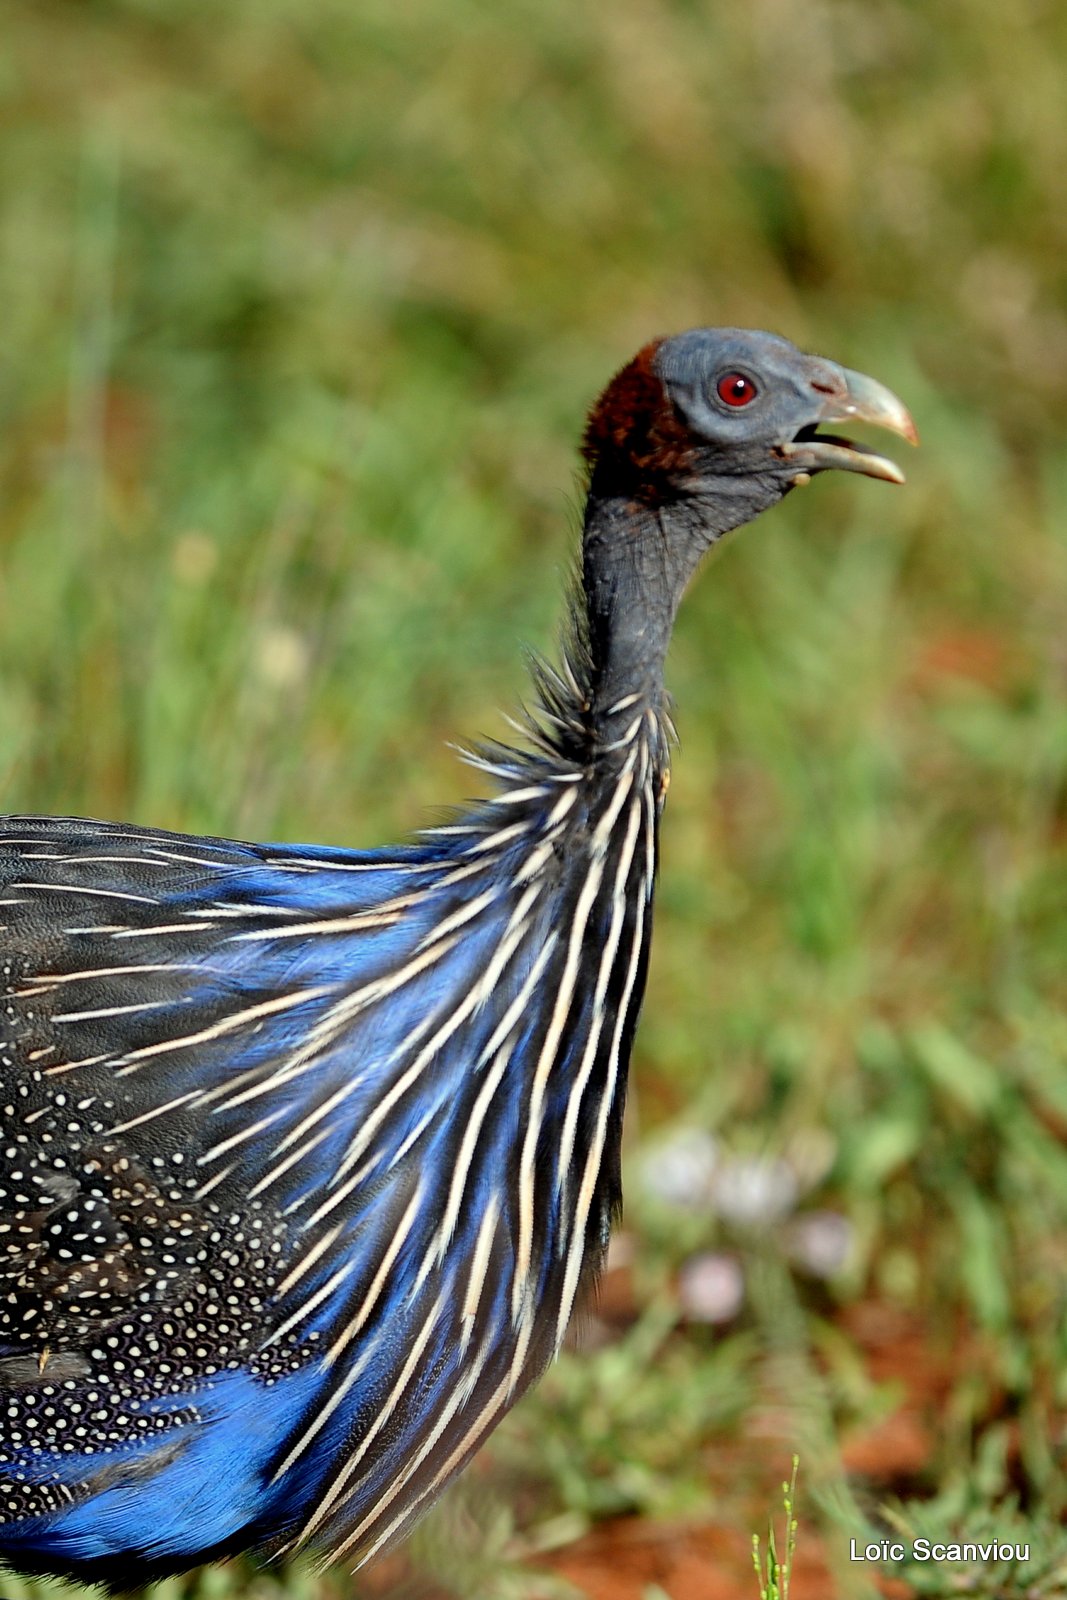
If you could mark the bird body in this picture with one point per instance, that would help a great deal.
(308, 1154)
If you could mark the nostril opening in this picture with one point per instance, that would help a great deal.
(823, 388)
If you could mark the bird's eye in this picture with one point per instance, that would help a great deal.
(736, 390)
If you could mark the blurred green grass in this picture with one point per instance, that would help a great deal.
(303, 302)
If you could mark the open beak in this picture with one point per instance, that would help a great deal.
(854, 398)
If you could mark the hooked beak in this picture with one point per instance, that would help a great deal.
(852, 397)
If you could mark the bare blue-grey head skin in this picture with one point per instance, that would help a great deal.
(775, 430)
(697, 435)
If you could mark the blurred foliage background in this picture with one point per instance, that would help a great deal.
(303, 302)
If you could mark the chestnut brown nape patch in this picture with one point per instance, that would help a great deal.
(633, 437)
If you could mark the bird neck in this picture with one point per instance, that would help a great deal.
(636, 562)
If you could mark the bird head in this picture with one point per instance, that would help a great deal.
(731, 418)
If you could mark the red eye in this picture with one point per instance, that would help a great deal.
(736, 390)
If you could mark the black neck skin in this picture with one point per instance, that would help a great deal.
(637, 559)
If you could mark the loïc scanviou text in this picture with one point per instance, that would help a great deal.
(938, 1550)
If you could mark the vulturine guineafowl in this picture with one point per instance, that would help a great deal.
(308, 1153)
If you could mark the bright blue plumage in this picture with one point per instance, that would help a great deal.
(263, 1073)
